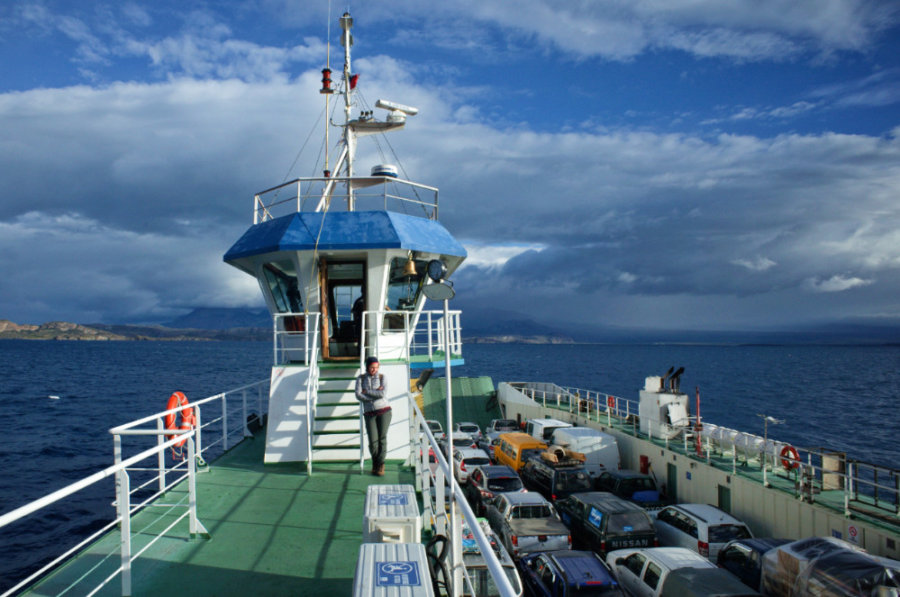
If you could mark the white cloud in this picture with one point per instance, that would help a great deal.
(760, 264)
(494, 256)
(837, 283)
(78, 269)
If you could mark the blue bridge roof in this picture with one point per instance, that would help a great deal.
(345, 230)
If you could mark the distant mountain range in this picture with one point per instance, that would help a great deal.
(479, 326)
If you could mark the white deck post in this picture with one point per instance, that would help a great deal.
(124, 502)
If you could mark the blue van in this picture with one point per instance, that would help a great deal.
(567, 573)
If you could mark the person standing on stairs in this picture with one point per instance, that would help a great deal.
(371, 390)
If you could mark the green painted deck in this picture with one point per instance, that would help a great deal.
(273, 531)
(778, 479)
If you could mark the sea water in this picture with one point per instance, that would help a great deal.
(59, 399)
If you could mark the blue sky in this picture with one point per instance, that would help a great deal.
(665, 164)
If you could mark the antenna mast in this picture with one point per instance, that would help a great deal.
(349, 138)
(326, 89)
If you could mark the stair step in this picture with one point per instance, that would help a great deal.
(322, 455)
(336, 430)
(337, 409)
(335, 440)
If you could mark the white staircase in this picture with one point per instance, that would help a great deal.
(335, 429)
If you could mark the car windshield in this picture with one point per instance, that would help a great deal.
(505, 484)
(476, 461)
(462, 442)
(724, 533)
(434, 426)
(468, 428)
(508, 425)
(530, 453)
(532, 511)
(630, 486)
(574, 480)
(629, 522)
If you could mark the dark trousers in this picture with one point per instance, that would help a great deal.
(377, 429)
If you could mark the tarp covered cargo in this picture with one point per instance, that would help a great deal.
(826, 566)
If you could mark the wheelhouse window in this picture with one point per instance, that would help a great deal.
(281, 280)
(404, 286)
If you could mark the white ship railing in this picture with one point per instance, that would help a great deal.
(130, 501)
(368, 193)
(407, 335)
(437, 506)
(410, 335)
(865, 486)
(295, 337)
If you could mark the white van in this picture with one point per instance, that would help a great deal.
(600, 449)
(543, 429)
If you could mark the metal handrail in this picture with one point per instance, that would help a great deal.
(120, 470)
(807, 471)
(419, 455)
(312, 189)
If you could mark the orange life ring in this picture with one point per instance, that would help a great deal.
(790, 458)
(188, 420)
(611, 401)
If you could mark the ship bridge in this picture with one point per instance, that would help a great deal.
(344, 262)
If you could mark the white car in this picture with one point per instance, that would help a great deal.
(437, 430)
(699, 527)
(642, 572)
(460, 440)
(470, 428)
(465, 460)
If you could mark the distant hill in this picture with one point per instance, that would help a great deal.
(55, 330)
(222, 318)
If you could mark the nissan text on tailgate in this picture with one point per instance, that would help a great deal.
(604, 522)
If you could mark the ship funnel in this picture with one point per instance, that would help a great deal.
(675, 380)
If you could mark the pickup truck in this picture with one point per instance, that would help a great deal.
(526, 522)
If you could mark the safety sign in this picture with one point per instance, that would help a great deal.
(397, 574)
(392, 499)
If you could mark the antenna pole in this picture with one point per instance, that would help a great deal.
(347, 41)
(327, 95)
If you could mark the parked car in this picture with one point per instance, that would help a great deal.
(487, 482)
(700, 527)
(704, 582)
(567, 573)
(460, 440)
(604, 522)
(643, 572)
(631, 485)
(516, 448)
(501, 426)
(556, 481)
(543, 429)
(437, 430)
(489, 445)
(470, 428)
(526, 522)
(465, 459)
(743, 558)
(493, 431)
(809, 566)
